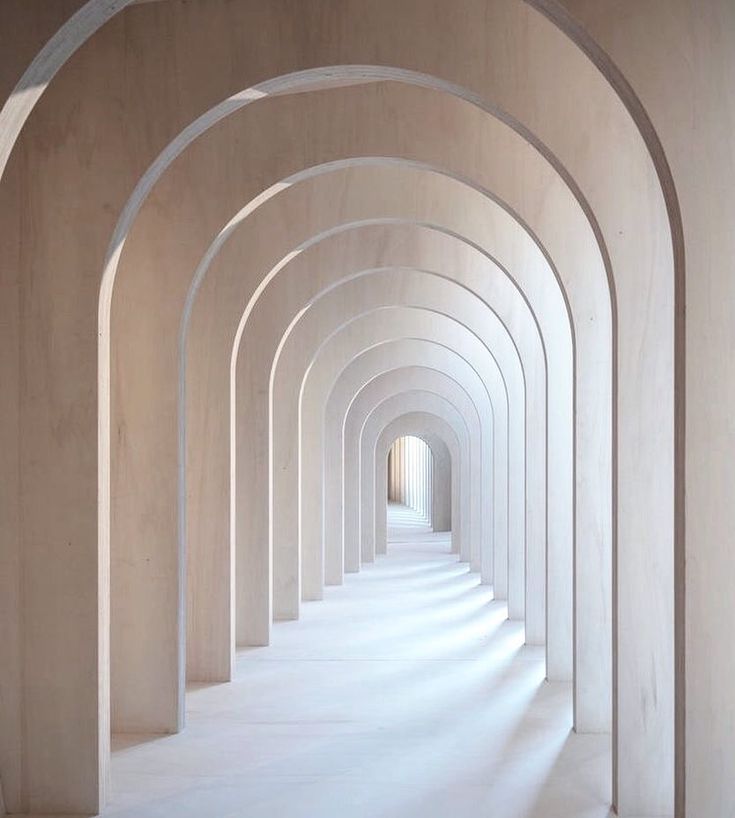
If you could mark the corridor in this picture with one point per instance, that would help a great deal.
(406, 693)
(366, 412)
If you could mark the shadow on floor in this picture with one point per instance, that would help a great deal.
(405, 693)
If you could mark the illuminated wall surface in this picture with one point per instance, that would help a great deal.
(410, 320)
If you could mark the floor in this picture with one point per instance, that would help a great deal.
(404, 694)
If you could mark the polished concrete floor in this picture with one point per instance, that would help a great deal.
(404, 694)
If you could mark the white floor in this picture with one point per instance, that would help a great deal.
(404, 694)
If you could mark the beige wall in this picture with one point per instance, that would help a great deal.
(97, 128)
(679, 58)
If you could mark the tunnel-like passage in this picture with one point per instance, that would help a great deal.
(411, 476)
(428, 491)
(365, 408)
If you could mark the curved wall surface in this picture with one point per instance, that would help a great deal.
(246, 245)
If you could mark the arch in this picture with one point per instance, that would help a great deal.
(213, 486)
(311, 274)
(637, 504)
(444, 480)
(448, 391)
(356, 333)
(443, 442)
(342, 422)
(462, 389)
(431, 492)
(438, 434)
(157, 319)
(372, 446)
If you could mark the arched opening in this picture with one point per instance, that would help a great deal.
(473, 210)
(411, 489)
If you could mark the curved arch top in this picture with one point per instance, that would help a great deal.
(584, 206)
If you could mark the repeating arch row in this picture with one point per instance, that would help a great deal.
(596, 357)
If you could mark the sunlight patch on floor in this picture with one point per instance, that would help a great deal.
(405, 693)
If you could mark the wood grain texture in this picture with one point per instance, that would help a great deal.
(94, 131)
